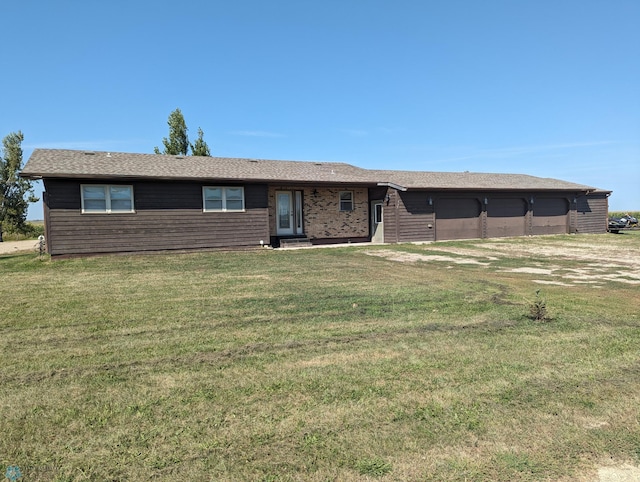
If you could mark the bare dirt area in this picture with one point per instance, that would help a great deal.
(9, 247)
(618, 473)
(599, 263)
(413, 257)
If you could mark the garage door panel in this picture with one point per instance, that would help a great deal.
(506, 217)
(458, 219)
(550, 216)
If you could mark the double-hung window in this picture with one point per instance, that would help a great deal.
(106, 198)
(346, 201)
(223, 198)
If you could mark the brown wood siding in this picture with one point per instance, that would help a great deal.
(47, 222)
(506, 217)
(550, 216)
(407, 214)
(168, 216)
(458, 218)
(390, 216)
(592, 213)
(414, 215)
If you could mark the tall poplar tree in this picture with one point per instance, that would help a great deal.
(15, 192)
(200, 148)
(178, 142)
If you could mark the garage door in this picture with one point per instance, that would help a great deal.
(506, 217)
(550, 216)
(458, 219)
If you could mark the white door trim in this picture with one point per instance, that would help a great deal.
(284, 213)
(377, 221)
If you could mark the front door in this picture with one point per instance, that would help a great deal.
(289, 213)
(284, 213)
(377, 228)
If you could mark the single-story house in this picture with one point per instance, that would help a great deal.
(100, 202)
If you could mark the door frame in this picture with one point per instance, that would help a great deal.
(294, 206)
(377, 228)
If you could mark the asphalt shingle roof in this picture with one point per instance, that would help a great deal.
(476, 180)
(89, 164)
(60, 163)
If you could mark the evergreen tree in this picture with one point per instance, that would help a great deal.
(13, 188)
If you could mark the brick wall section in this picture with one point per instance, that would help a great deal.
(322, 218)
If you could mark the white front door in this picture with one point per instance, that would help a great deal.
(377, 228)
(284, 213)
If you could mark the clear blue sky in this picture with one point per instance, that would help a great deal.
(546, 87)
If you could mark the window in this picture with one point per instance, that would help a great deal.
(346, 201)
(223, 198)
(377, 213)
(101, 198)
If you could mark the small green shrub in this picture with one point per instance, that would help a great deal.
(538, 308)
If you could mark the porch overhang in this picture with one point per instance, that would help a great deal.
(392, 185)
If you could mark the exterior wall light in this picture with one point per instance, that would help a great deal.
(430, 201)
(486, 201)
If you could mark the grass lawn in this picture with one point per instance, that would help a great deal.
(323, 364)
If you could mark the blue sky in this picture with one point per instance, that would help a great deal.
(547, 87)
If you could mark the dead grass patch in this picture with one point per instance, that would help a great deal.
(404, 257)
(603, 262)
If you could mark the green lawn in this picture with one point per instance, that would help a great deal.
(324, 364)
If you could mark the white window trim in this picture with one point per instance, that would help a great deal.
(340, 201)
(107, 197)
(224, 200)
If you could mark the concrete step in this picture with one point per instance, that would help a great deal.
(294, 242)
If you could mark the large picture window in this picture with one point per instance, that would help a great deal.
(346, 201)
(223, 198)
(105, 198)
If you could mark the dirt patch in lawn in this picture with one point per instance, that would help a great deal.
(413, 257)
(598, 263)
(619, 473)
(10, 247)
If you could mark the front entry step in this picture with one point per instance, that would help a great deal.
(294, 242)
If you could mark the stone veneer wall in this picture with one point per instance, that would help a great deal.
(322, 217)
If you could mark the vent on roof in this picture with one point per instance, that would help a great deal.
(179, 157)
(89, 153)
(318, 163)
(253, 160)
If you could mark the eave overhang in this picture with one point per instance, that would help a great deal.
(120, 177)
